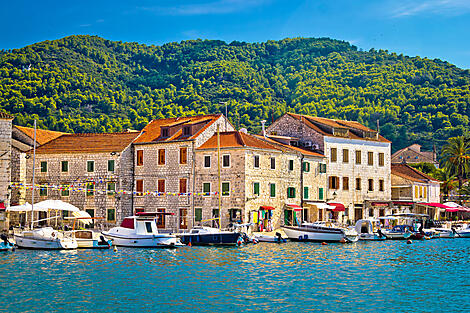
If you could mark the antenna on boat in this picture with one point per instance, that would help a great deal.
(34, 167)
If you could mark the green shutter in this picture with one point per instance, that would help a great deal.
(198, 214)
(110, 165)
(43, 167)
(111, 216)
(256, 189)
(320, 193)
(206, 187)
(273, 190)
(305, 192)
(225, 189)
(65, 166)
(90, 166)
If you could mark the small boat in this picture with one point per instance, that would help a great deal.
(5, 244)
(89, 239)
(463, 231)
(398, 232)
(319, 232)
(44, 238)
(443, 232)
(203, 235)
(365, 230)
(266, 238)
(141, 231)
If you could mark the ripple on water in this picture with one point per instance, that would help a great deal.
(427, 276)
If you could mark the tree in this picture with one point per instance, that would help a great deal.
(448, 181)
(456, 157)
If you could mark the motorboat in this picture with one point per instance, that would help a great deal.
(141, 231)
(442, 232)
(5, 244)
(365, 230)
(398, 232)
(463, 231)
(320, 232)
(89, 239)
(44, 238)
(203, 235)
(267, 238)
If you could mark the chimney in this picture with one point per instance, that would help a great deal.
(264, 129)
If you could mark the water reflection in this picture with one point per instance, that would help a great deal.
(361, 277)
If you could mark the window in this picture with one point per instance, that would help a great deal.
(381, 185)
(291, 165)
(358, 157)
(206, 188)
(65, 214)
(165, 132)
(197, 214)
(416, 192)
(306, 166)
(43, 167)
(160, 218)
(305, 192)
(161, 156)
(207, 161)
(290, 192)
(370, 158)
(358, 184)
(139, 187)
(90, 189)
(140, 157)
(65, 191)
(183, 218)
(43, 192)
(333, 155)
(110, 165)
(111, 215)
(273, 163)
(421, 191)
(65, 166)
(333, 182)
(111, 188)
(226, 160)
(256, 161)
(184, 155)
(235, 215)
(371, 184)
(161, 185)
(322, 168)
(345, 156)
(148, 227)
(90, 166)
(226, 189)
(272, 190)
(186, 130)
(320, 194)
(345, 183)
(425, 191)
(138, 210)
(256, 189)
(183, 185)
(381, 159)
(92, 214)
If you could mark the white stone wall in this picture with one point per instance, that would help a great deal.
(5, 160)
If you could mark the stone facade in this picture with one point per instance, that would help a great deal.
(5, 163)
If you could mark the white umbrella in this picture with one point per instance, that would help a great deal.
(26, 207)
(83, 217)
(56, 205)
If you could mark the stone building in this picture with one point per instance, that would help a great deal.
(5, 164)
(164, 166)
(357, 160)
(260, 182)
(91, 171)
(413, 154)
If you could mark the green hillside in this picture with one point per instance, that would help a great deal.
(89, 84)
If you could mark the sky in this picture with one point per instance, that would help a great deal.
(426, 28)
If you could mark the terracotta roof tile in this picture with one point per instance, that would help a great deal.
(289, 147)
(88, 143)
(236, 139)
(408, 172)
(151, 132)
(43, 136)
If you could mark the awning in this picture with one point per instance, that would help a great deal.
(338, 207)
(403, 203)
(295, 207)
(265, 207)
(26, 207)
(456, 207)
(379, 203)
(436, 205)
(322, 205)
(2, 206)
(83, 217)
(56, 205)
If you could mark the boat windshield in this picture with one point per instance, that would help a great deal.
(148, 226)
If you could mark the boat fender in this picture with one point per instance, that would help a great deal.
(255, 241)
(115, 249)
(239, 241)
(324, 244)
(190, 244)
(342, 240)
(409, 241)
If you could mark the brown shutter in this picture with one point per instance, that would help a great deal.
(183, 185)
(330, 182)
(161, 157)
(183, 155)
(139, 186)
(140, 157)
(161, 185)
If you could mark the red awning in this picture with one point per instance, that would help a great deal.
(338, 207)
(402, 203)
(265, 207)
(153, 213)
(2, 206)
(295, 207)
(437, 205)
(379, 203)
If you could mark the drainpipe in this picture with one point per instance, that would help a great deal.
(194, 185)
(302, 186)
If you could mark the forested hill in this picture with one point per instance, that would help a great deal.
(89, 84)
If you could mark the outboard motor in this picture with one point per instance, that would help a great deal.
(103, 241)
(278, 237)
(4, 238)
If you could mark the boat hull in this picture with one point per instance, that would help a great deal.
(312, 234)
(397, 235)
(144, 241)
(266, 238)
(371, 237)
(228, 238)
(462, 233)
(93, 244)
(45, 244)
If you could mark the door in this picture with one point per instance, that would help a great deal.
(183, 218)
(215, 215)
(92, 214)
(357, 214)
(42, 215)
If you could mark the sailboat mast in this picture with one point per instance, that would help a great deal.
(34, 167)
(218, 170)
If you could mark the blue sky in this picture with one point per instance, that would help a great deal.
(428, 28)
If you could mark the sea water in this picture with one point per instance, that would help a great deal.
(387, 276)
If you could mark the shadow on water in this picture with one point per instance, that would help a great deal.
(426, 276)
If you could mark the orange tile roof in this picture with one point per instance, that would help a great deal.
(151, 132)
(43, 136)
(88, 143)
(237, 139)
(408, 172)
(311, 121)
(289, 147)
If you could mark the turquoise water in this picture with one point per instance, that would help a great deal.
(388, 276)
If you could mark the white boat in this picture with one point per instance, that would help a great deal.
(267, 238)
(203, 235)
(89, 239)
(463, 232)
(44, 238)
(443, 232)
(141, 231)
(365, 230)
(319, 232)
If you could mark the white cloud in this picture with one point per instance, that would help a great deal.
(434, 7)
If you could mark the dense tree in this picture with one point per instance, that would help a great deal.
(77, 79)
(456, 157)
